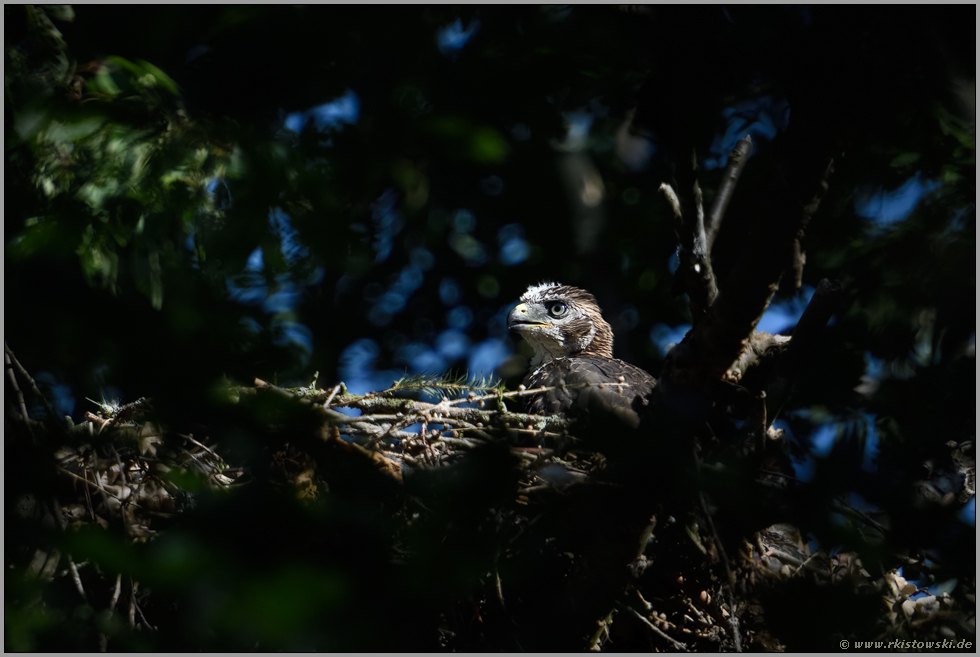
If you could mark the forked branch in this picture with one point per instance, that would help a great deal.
(694, 274)
(714, 344)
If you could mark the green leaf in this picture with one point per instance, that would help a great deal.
(75, 130)
(487, 146)
(28, 122)
(904, 159)
(104, 84)
(165, 81)
(126, 64)
(63, 13)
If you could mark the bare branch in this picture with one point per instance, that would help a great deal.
(675, 644)
(759, 419)
(805, 341)
(675, 205)
(13, 381)
(333, 393)
(694, 274)
(797, 255)
(708, 351)
(94, 485)
(131, 616)
(729, 576)
(76, 578)
(736, 164)
(10, 359)
(146, 623)
(117, 589)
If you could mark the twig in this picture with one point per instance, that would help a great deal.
(499, 588)
(602, 633)
(773, 473)
(449, 413)
(126, 412)
(845, 507)
(393, 429)
(122, 468)
(677, 645)
(375, 401)
(639, 596)
(44, 564)
(333, 393)
(760, 418)
(11, 359)
(201, 445)
(76, 578)
(198, 461)
(59, 517)
(13, 383)
(729, 577)
(140, 610)
(694, 274)
(88, 494)
(98, 481)
(382, 420)
(93, 485)
(115, 594)
(705, 619)
(736, 164)
(461, 442)
(798, 257)
(132, 604)
(675, 203)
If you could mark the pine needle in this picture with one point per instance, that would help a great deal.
(448, 384)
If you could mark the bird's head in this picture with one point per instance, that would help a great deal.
(559, 321)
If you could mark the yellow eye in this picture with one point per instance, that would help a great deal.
(557, 309)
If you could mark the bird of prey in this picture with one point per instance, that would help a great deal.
(573, 350)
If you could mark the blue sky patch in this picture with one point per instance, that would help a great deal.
(336, 113)
(451, 38)
(886, 208)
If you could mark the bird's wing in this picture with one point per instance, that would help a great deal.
(590, 385)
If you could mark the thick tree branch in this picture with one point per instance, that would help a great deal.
(714, 344)
(807, 337)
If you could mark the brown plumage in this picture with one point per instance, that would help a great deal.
(573, 350)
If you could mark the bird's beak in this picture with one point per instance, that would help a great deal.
(518, 320)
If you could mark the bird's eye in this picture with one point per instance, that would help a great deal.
(557, 309)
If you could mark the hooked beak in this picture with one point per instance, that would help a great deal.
(518, 320)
